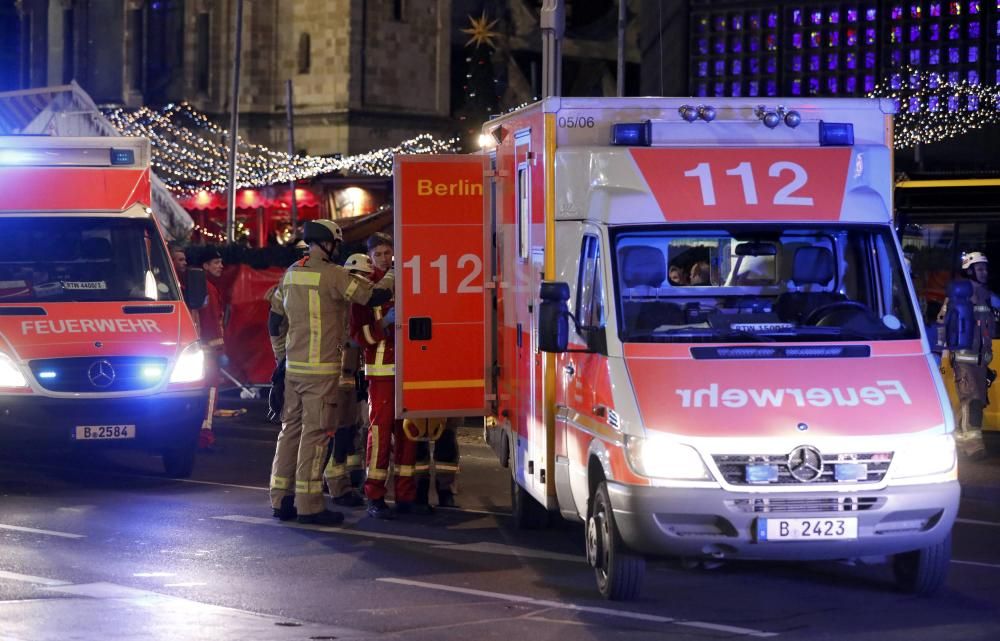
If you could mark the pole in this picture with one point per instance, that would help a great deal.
(290, 117)
(553, 23)
(234, 125)
(621, 48)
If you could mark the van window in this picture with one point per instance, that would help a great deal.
(82, 258)
(590, 289)
(761, 283)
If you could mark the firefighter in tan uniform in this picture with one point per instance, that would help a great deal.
(970, 362)
(307, 324)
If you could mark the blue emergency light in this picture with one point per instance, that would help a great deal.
(632, 134)
(47, 374)
(836, 134)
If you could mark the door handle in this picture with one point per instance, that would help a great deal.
(569, 369)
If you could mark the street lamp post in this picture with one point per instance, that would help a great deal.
(234, 124)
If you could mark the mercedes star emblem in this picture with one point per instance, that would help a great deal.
(101, 374)
(805, 464)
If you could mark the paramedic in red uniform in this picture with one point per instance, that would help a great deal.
(210, 322)
(372, 328)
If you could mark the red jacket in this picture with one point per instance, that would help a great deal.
(377, 342)
(210, 319)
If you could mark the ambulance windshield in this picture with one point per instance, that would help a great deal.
(780, 283)
(82, 258)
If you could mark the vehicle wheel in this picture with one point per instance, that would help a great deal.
(528, 513)
(179, 463)
(923, 571)
(619, 572)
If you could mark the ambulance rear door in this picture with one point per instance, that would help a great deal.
(443, 314)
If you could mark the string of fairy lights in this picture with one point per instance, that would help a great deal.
(190, 152)
(931, 108)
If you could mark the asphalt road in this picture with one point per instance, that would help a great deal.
(103, 547)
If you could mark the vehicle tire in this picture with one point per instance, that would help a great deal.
(178, 463)
(528, 513)
(923, 572)
(619, 571)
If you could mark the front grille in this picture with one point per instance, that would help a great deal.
(127, 373)
(764, 505)
(733, 468)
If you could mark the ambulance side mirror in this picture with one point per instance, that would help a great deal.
(553, 317)
(195, 288)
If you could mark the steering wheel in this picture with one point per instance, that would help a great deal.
(824, 310)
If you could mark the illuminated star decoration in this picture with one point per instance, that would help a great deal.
(481, 32)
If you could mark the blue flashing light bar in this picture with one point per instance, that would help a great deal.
(46, 374)
(836, 134)
(632, 134)
(122, 157)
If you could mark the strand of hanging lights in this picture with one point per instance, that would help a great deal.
(931, 108)
(190, 152)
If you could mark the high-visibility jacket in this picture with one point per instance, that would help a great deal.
(210, 318)
(377, 342)
(980, 352)
(309, 313)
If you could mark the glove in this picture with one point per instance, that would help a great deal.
(389, 318)
(276, 399)
(991, 375)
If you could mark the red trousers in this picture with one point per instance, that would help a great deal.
(385, 437)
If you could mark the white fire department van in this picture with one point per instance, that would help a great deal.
(97, 347)
(689, 328)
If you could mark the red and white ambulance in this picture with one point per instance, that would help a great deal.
(97, 347)
(689, 328)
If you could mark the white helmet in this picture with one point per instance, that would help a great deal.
(971, 258)
(359, 263)
(323, 230)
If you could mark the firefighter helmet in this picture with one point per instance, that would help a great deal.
(971, 258)
(359, 263)
(322, 231)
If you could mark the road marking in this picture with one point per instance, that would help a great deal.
(189, 584)
(27, 578)
(31, 530)
(975, 522)
(255, 520)
(146, 575)
(479, 547)
(625, 614)
(977, 563)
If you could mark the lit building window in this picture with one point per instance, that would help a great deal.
(839, 40)
(734, 52)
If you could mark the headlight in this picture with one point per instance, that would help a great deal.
(659, 457)
(10, 374)
(924, 456)
(190, 366)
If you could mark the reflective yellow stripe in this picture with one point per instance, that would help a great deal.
(280, 483)
(405, 470)
(380, 370)
(216, 342)
(373, 452)
(308, 279)
(445, 467)
(353, 287)
(368, 335)
(378, 475)
(354, 461)
(315, 326)
(308, 487)
(334, 471)
(421, 469)
(379, 354)
(298, 367)
(444, 384)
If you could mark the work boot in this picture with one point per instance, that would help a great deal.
(287, 510)
(325, 517)
(446, 498)
(350, 498)
(377, 509)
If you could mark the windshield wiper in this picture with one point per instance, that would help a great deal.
(839, 332)
(705, 333)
